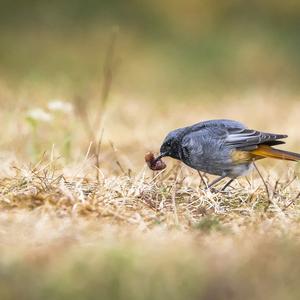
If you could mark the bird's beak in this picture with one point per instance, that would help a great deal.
(160, 156)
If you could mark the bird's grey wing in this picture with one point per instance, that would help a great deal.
(222, 123)
(248, 139)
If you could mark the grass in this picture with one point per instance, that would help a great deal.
(74, 227)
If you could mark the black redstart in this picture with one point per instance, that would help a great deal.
(222, 147)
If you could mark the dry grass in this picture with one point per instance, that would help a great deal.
(75, 228)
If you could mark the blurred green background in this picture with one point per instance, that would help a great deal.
(163, 47)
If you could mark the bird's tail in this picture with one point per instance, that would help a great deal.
(267, 151)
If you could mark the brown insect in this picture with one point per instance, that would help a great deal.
(153, 163)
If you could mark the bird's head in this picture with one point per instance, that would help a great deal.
(171, 145)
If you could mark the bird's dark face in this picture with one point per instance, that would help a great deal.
(171, 145)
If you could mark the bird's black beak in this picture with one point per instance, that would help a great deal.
(160, 156)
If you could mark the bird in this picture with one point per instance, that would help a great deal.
(225, 148)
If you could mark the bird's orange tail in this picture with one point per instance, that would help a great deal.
(267, 151)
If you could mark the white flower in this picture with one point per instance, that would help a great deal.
(38, 114)
(59, 105)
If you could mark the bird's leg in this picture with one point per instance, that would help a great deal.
(227, 184)
(202, 179)
(215, 181)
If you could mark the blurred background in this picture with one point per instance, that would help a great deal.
(163, 47)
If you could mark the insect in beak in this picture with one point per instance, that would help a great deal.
(159, 157)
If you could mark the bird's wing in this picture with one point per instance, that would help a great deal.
(216, 131)
(248, 139)
(222, 124)
(232, 133)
